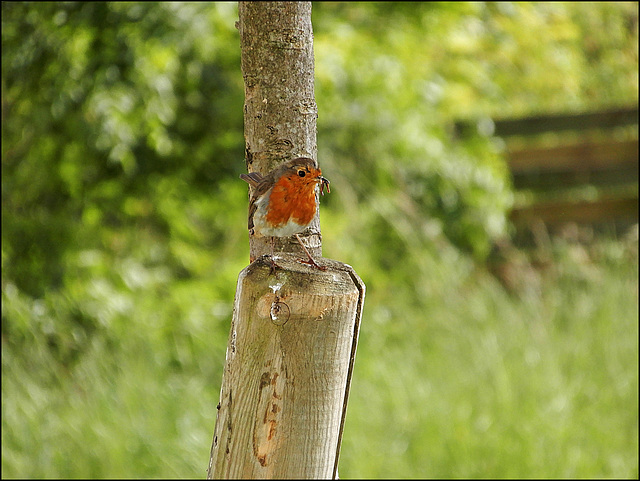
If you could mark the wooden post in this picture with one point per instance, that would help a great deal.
(294, 332)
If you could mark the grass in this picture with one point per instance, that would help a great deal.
(488, 384)
(471, 380)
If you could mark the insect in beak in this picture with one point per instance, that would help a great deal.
(324, 183)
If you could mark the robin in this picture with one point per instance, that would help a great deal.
(283, 203)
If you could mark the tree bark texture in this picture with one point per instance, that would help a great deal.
(294, 332)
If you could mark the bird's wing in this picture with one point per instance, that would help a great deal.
(259, 185)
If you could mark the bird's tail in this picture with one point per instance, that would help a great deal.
(252, 178)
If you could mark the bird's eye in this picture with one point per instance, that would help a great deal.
(302, 173)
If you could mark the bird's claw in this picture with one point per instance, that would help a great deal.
(312, 263)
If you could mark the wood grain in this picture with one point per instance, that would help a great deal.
(289, 360)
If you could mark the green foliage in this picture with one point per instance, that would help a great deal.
(122, 94)
(392, 82)
(123, 225)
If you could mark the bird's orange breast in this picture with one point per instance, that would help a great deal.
(292, 198)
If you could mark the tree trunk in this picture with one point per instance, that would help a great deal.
(280, 110)
(294, 332)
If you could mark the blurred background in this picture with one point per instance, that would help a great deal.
(489, 348)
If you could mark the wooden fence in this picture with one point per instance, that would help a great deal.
(574, 168)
